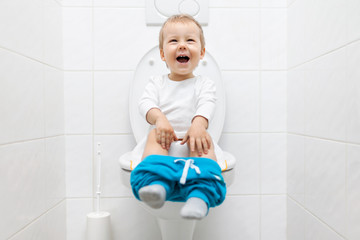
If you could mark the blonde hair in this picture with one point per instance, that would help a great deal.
(182, 18)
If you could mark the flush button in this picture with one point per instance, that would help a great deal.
(190, 7)
(157, 11)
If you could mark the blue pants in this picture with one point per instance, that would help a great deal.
(203, 180)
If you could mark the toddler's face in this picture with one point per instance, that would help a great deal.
(181, 49)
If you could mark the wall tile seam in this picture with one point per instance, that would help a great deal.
(259, 132)
(30, 140)
(324, 139)
(308, 211)
(340, 48)
(19, 54)
(38, 218)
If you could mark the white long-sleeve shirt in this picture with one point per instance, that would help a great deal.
(180, 101)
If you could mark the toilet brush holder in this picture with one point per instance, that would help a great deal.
(98, 226)
(98, 222)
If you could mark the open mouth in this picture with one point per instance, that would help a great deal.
(183, 59)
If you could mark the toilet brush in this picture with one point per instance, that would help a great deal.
(98, 222)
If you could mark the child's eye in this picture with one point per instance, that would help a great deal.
(191, 40)
(173, 40)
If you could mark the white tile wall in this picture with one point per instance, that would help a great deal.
(273, 101)
(273, 163)
(31, 171)
(118, 44)
(296, 168)
(32, 162)
(79, 166)
(22, 95)
(295, 101)
(323, 90)
(273, 3)
(111, 105)
(314, 229)
(353, 179)
(295, 221)
(323, 29)
(50, 226)
(273, 37)
(22, 34)
(326, 96)
(53, 36)
(244, 116)
(78, 95)
(54, 101)
(77, 38)
(325, 181)
(273, 217)
(239, 50)
(353, 75)
(246, 149)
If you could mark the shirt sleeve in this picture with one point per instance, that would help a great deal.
(150, 97)
(206, 98)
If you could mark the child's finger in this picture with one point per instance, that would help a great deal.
(205, 145)
(192, 144)
(167, 141)
(163, 139)
(174, 137)
(199, 146)
(158, 136)
(185, 139)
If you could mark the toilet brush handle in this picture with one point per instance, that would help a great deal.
(98, 191)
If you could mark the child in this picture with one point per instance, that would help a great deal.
(179, 106)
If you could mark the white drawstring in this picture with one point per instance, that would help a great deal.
(188, 164)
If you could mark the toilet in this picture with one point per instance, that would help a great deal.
(172, 226)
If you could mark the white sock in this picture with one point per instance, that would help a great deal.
(195, 208)
(153, 195)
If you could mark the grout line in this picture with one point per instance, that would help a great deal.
(323, 54)
(316, 217)
(324, 139)
(29, 58)
(30, 140)
(347, 188)
(37, 218)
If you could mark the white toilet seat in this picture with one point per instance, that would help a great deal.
(152, 65)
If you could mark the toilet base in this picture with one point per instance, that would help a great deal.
(176, 229)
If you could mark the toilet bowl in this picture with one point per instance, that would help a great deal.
(172, 226)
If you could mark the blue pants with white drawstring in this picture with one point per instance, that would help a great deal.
(182, 178)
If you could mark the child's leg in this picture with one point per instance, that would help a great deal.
(196, 206)
(154, 194)
(152, 147)
(211, 152)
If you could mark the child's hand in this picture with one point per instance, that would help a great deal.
(165, 134)
(197, 137)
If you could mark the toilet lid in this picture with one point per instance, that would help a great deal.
(152, 65)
